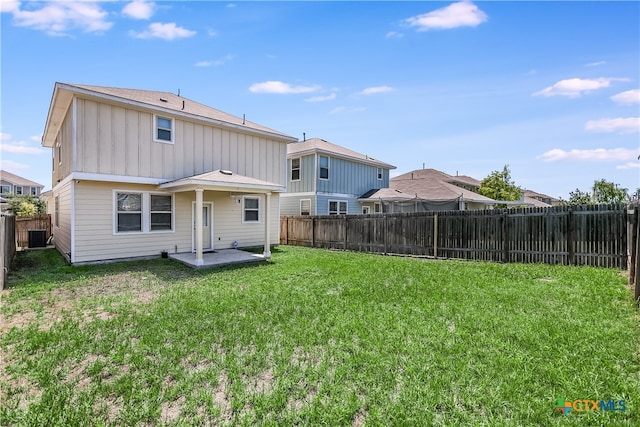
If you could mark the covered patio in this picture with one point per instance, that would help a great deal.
(218, 258)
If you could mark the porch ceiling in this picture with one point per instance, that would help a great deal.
(221, 180)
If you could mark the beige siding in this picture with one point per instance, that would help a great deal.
(62, 231)
(62, 165)
(95, 239)
(117, 139)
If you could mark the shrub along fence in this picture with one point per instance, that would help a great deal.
(570, 235)
(7, 245)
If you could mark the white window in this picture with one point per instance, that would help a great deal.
(18, 190)
(295, 169)
(129, 212)
(380, 173)
(365, 210)
(5, 189)
(59, 153)
(305, 207)
(377, 208)
(57, 211)
(323, 164)
(250, 209)
(337, 207)
(33, 191)
(163, 129)
(161, 212)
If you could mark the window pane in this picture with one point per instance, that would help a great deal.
(251, 215)
(343, 207)
(333, 206)
(130, 202)
(160, 203)
(160, 221)
(129, 222)
(324, 173)
(295, 163)
(324, 162)
(164, 135)
(295, 174)
(164, 123)
(251, 203)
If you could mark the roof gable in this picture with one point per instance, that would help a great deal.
(317, 145)
(18, 180)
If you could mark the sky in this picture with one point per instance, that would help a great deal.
(551, 89)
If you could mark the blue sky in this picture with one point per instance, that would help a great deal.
(549, 88)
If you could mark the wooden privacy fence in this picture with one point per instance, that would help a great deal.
(571, 235)
(7, 245)
(34, 222)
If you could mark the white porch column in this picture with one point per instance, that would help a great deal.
(267, 228)
(199, 259)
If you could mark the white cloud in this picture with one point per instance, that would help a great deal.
(215, 62)
(575, 87)
(169, 31)
(619, 125)
(9, 5)
(597, 154)
(36, 138)
(376, 89)
(10, 165)
(281, 88)
(461, 14)
(57, 18)
(596, 64)
(20, 147)
(629, 165)
(339, 110)
(394, 35)
(4, 136)
(139, 9)
(330, 97)
(231, 5)
(212, 33)
(629, 97)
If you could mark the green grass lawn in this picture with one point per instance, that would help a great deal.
(315, 337)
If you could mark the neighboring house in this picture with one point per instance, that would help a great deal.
(327, 179)
(17, 185)
(539, 199)
(137, 172)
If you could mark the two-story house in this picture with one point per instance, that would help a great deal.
(327, 179)
(13, 184)
(138, 172)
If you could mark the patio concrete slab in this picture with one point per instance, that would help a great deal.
(218, 258)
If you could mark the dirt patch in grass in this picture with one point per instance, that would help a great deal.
(171, 411)
(221, 397)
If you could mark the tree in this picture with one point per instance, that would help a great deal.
(26, 205)
(578, 197)
(499, 186)
(607, 192)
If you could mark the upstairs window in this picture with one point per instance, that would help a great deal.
(34, 191)
(160, 212)
(163, 131)
(129, 212)
(380, 174)
(57, 211)
(18, 191)
(337, 207)
(251, 209)
(324, 167)
(295, 169)
(5, 189)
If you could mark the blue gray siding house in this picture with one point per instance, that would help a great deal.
(327, 179)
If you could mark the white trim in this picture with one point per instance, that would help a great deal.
(155, 129)
(306, 193)
(346, 196)
(173, 211)
(193, 227)
(320, 151)
(115, 178)
(257, 197)
(328, 167)
(380, 173)
(145, 212)
(368, 210)
(73, 223)
(220, 186)
(305, 200)
(169, 111)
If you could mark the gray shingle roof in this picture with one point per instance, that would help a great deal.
(317, 145)
(18, 180)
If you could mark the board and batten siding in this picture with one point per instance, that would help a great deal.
(118, 140)
(62, 231)
(94, 218)
(307, 174)
(347, 177)
(63, 158)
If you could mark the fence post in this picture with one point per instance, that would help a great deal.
(346, 229)
(286, 231)
(570, 237)
(505, 238)
(636, 293)
(435, 235)
(313, 232)
(386, 229)
(632, 219)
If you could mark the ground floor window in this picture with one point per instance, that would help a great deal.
(365, 210)
(305, 207)
(251, 209)
(337, 207)
(377, 207)
(142, 212)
